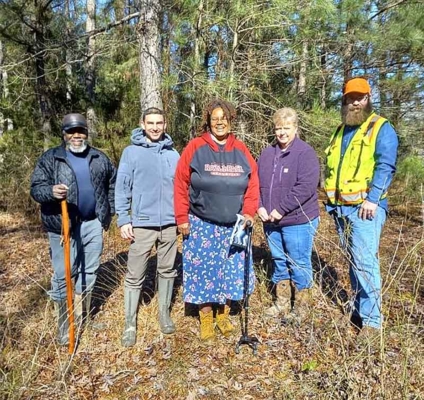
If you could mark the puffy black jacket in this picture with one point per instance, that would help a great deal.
(53, 168)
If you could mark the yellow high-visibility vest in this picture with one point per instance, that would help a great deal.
(348, 179)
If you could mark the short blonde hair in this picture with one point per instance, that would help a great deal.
(283, 114)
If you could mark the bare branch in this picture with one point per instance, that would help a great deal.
(113, 24)
(388, 7)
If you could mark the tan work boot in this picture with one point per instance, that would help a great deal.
(282, 303)
(369, 338)
(302, 302)
(207, 330)
(223, 322)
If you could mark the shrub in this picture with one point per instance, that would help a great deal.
(410, 175)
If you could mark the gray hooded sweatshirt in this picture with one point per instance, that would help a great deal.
(144, 193)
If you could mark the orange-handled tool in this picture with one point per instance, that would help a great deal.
(69, 289)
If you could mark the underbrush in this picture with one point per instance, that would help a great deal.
(319, 359)
(410, 180)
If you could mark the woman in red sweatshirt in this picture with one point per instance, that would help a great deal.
(216, 179)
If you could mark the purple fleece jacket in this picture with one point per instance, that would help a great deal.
(288, 182)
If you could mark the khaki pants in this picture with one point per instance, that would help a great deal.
(165, 239)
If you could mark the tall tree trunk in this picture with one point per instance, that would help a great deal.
(41, 84)
(324, 75)
(193, 99)
(5, 122)
(233, 59)
(398, 94)
(348, 53)
(382, 72)
(244, 70)
(301, 85)
(206, 60)
(2, 86)
(167, 94)
(68, 68)
(382, 90)
(149, 54)
(90, 69)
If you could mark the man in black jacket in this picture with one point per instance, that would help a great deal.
(85, 177)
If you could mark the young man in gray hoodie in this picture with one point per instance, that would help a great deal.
(144, 198)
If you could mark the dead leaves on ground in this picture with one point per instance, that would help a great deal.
(318, 359)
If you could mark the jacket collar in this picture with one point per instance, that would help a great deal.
(294, 147)
(139, 138)
(229, 144)
(60, 152)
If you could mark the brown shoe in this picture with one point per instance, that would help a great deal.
(282, 303)
(369, 338)
(303, 302)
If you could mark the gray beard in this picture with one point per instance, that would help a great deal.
(80, 149)
(352, 117)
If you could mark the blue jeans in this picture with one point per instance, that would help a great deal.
(86, 250)
(361, 239)
(291, 250)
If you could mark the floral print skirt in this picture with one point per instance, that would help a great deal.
(213, 271)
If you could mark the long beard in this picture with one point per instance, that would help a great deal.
(354, 116)
(80, 149)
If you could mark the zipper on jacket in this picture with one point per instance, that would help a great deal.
(272, 180)
(92, 184)
(161, 192)
(281, 172)
(75, 178)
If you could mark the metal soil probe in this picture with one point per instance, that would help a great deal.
(251, 341)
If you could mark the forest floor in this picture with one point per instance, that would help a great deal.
(320, 359)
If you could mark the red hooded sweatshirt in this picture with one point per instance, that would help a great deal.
(215, 182)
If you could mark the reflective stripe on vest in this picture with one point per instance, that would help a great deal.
(348, 179)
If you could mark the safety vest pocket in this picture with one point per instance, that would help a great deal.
(330, 162)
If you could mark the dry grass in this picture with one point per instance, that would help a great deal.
(318, 360)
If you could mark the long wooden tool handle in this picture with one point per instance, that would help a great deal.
(69, 290)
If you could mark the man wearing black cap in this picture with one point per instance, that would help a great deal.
(85, 177)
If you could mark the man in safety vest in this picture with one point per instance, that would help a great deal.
(360, 165)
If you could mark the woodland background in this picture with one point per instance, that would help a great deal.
(110, 60)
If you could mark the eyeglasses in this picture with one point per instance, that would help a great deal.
(73, 131)
(215, 119)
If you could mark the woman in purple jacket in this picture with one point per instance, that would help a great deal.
(289, 176)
